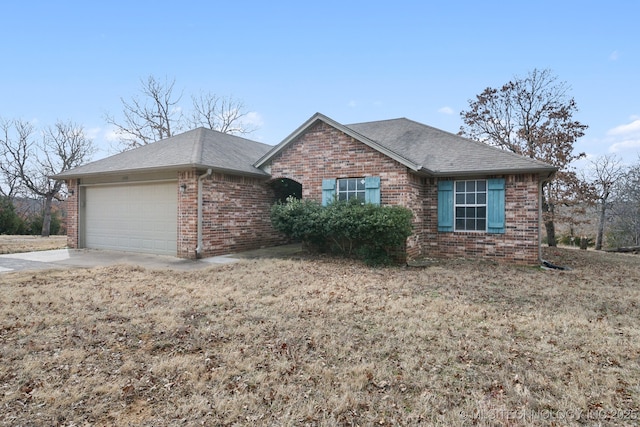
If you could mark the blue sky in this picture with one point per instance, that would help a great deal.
(353, 61)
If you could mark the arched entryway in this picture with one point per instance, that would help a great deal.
(285, 188)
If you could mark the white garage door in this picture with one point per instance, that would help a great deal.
(132, 217)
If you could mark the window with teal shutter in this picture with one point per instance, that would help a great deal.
(445, 206)
(495, 206)
(372, 190)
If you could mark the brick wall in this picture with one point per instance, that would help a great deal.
(71, 205)
(235, 214)
(519, 243)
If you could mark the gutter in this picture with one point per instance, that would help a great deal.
(200, 178)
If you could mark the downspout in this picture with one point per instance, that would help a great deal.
(540, 184)
(200, 178)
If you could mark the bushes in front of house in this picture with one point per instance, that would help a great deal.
(376, 234)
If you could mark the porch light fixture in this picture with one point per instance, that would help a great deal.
(183, 188)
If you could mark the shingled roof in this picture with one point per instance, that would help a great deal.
(422, 148)
(199, 148)
(426, 149)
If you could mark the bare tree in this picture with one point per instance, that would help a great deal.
(605, 171)
(31, 163)
(149, 118)
(156, 114)
(14, 145)
(532, 116)
(625, 224)
(224, 114)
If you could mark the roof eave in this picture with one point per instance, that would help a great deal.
(174, 168)
(547, 172)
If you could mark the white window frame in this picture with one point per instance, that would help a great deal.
(465, 200)
(355, 188)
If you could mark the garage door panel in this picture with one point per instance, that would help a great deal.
(132, 217)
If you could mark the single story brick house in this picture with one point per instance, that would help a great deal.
(204, 193)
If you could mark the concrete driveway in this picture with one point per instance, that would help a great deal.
(66, 258)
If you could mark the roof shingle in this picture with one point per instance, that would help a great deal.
(199, 148)
(442, 153)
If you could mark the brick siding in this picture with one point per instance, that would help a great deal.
(71, 206)
(235, 215)
(519, 244)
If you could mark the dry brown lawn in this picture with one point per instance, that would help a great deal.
(304, 342)
(13, 244)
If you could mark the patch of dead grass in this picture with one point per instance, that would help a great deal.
(302, 342)
(10, 244)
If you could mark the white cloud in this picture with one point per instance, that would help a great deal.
(614, 56)
(92, 133)
(111, 135)
(628, 144)
(352, 104)
(253, 118)
(624, 138)
(626, 129)
(445, 110)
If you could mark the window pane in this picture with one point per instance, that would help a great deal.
(342, 196)
(360, 196)
(470, 205)
(342, 185)
(351, 185)
(360, 184)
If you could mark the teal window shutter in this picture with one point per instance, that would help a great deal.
(495, 206)
(372, 190)
(328, 191)
(445, 205)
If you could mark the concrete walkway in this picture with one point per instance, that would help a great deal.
(66, 258)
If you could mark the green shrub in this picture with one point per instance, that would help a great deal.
(10, 222)
(299, 219)
(376, 234)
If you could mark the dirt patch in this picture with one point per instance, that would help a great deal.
(18, 244)
(325, 342)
